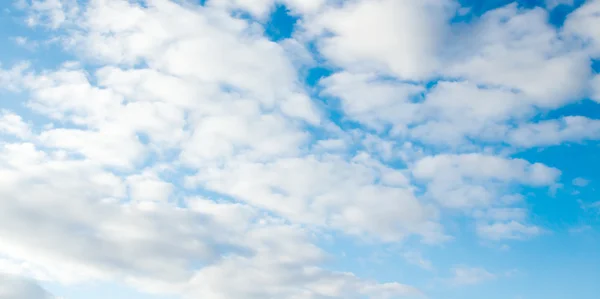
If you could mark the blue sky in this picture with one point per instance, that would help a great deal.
(369, 149)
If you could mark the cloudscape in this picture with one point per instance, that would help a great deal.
(299, 149)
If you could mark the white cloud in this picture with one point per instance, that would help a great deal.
(470, 276)
(181, 124)
(518, 50)
(502, 214)
(77, 198)
(511, 230)
(396, 37)
(242, 114)
(500, 74)
(261, 8)
(360, 197)
(148, 186)
(48, 13)
(417, 259)
(371, 102)
(258, 8)
(556, 131)
(584, 23)
(580, 182)
(455, 111)
(12, 287)
(13, 125)
(276, 281)
(470, 180)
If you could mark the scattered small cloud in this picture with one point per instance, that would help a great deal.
(590, 206)
(463, 275)
(580, 229)
(415, 258)
(580, 182)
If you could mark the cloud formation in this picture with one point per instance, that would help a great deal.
(178, 149)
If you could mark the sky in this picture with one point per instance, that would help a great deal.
(299, 149)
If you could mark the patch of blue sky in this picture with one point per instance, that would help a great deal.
(281, 23)
(20, 43)
(596, 66)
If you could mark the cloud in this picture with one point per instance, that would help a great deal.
(13, 125)
(361, 196)
(184, 124)
(79, 198)
(556, 131)
(396, 37)
(98, 170)
(391, 101)
(593, 206)
(596, 88)
(511, 230)
(470, 276)
(583, 23)
(453, 112)
(551, 4)
(261, 8)
(580, 182)
(470, 180)
(15, 287)
(417, 259)
(508, 55)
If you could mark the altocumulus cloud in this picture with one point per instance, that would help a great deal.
(175, 148)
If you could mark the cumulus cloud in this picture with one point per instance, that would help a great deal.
(13, 125)
(518, 50)
(397, 37)
(179, 150)
(360, 196)
(556, 131)
(470, 180)
(583, 23)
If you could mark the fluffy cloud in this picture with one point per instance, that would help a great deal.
(453, 112)
(13, 125)
(181, 153)
(360, 197)
(556, 131)
(583, 23)
(464, 181)
(517, 50)
(87, 174)
(397, 37)
(56, 197)
(372, 102)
